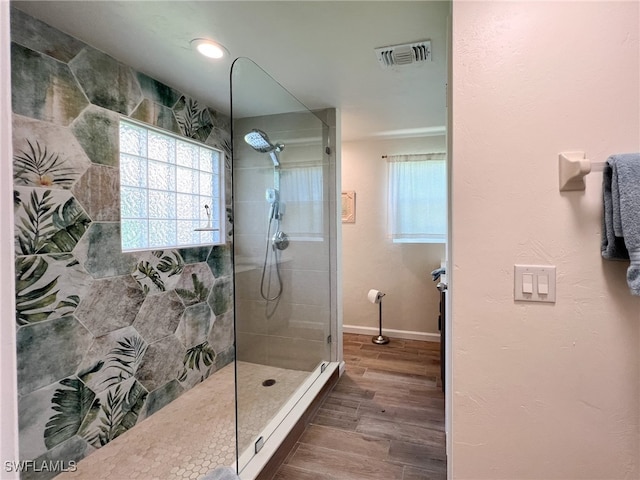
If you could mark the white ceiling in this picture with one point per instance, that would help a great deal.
(321, 51)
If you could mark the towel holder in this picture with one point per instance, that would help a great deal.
(573, 167)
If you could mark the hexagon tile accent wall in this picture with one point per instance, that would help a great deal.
(104, 338)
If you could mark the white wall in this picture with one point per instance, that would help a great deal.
(8, 387)
(541, 391)
(370, 259)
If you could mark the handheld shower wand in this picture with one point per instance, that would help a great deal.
(259, 141)
(273, 197)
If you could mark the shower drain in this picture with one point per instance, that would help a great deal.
(268, 382)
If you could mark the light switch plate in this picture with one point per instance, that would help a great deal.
(537, 271)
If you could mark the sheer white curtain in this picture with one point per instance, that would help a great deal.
(418, 198)
(301, 191)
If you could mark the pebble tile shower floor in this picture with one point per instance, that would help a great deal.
(196, 433)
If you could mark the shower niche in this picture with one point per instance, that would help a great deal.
(284, 225)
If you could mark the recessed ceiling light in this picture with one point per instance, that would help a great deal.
(209, 48)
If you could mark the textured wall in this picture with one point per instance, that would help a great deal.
(541, 390)
(371, 260)
(104, 339)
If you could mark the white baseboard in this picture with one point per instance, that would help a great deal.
(404, 334)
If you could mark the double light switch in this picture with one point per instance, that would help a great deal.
(535, 283)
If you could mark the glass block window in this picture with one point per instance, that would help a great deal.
(170, 188)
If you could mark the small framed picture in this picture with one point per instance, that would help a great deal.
(349, 207)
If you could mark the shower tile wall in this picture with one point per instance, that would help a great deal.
(294, 337)
(104, 339)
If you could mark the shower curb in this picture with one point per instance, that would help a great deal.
(281, 453)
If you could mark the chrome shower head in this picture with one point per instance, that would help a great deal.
(259, 141)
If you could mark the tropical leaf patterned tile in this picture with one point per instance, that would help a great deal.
(158, 271)
(48, 286)
(46, 155)
(112, 358)
(198, 364)
(71, 402)
(195, 284)
(77, 294)
(34, 412)
(113, 412)
(48, 221)
(194, 118)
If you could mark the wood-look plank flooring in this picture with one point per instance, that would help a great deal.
(384, 419)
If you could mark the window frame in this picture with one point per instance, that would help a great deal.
(219, 173)
(393, 201)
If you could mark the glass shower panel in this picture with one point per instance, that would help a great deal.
(282, 231)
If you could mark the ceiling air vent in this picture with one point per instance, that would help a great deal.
(406, 54)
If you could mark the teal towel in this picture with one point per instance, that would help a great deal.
(621, 214)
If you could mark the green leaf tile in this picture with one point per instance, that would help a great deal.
(43, 88)
(220, 299)
(72, 450)
(100, 251)
(162, 396)
(156, 91)
(49, 351)
(40, 37)
(157, 115)
(221, 335)
(98, 132)
(106, 82)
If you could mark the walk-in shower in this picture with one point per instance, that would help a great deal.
(284, 283)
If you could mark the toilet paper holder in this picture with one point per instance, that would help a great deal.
(375, 296)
